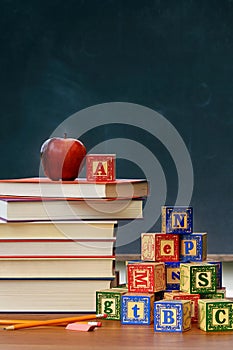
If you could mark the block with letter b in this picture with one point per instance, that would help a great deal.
(137, 308)
(215, 315)
(172, 315)
(101, 167)
(160, 247)
(108, 301)
(197, 278)
(178, 220)
(185, 296)
(146, 277)
(193, 247)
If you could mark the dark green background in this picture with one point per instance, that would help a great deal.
(176, 57)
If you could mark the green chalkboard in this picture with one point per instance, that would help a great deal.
(173, 57)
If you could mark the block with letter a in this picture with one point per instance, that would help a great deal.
(100, 167)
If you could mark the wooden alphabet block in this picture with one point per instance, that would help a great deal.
(137, 308)
(193, 247)
(108, 301)
(215, 315)
(172, 315)
(160, 247)
(100, 167)
(219, 272)
(197, 278)
(146, 277)
(185, 296)
(178, 220)
(172, 271)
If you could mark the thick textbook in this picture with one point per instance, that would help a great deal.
(79, 188)
(86, 267)
(50, 295)
(63, 247)
(35, 208)
(60, 229)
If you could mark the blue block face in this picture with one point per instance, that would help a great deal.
(193, 247)
(137, 309)
(168, 316)
(172, 276)
(177, 220)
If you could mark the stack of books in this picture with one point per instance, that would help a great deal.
(57, 240)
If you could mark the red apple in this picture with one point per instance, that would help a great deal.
(62, 158)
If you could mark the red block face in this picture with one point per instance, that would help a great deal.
(100, 167)
(146, 277)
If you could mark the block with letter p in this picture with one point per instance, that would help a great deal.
(215, 315)
(193, 247)
(178, 220)
(160, 247)
(137, 308)
(197, 278)
(172, 315)
(100, 167)
(146, 277)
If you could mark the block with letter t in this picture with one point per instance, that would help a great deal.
(108, 301)
(172, 315)
(137, 308)
(160, 247)
(193, 247)
(215, 315)
(198, 278)
(101, 167)
(146, 277)
(178, 220)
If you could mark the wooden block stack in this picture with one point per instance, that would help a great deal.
(174, 284)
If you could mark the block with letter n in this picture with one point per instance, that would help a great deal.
(137, 308)
(215, 315)
(108, 301)
(146, 277)
(101, 167)
(198, 278)
(178, 220)
(172, 315)
(172, 271)
(193, 247)
(160, 247)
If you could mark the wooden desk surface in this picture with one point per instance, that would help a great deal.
(112, 335)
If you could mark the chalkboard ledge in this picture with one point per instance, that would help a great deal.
(216, 257)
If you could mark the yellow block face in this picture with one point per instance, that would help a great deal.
(220, 317)
(192, 247)
(179, 220)
(169, 317)
(203, 279)
(184, 278)
(167, 247)
(100, 168)
(201, 315)
(135, 310)
(148, 247)
(108, 305)
(187, 316)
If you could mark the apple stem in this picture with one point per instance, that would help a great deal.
(65, 135)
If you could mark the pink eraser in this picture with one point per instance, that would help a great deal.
(80, 327)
